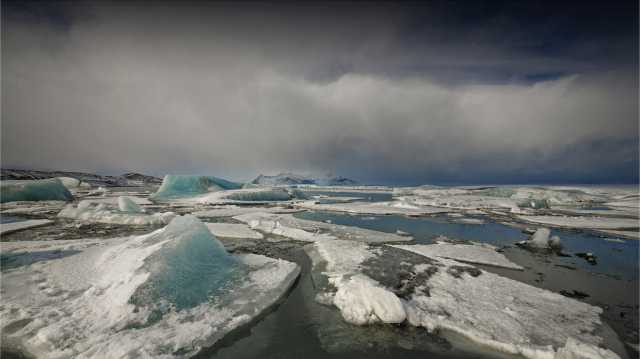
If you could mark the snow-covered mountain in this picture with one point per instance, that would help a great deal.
(127, 179)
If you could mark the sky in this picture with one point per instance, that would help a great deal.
(441, 92)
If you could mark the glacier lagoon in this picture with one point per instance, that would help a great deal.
(303, 319)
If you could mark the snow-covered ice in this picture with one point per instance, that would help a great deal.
(287, 225)
(233, 230)
(88, 211)
(391, 207)
(6, 228)
(34, 190)
(232, 210)
(584, 222)
(445, 295)
(165, 294)
(479, 253)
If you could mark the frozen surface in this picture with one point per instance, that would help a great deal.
(36, 190)
(479, 253)
(287, 225)
(233, 230)
(6, 228)
(393, 207)
(175, 186)
(231, 211)
(88, 211)
(584, 222)
(165, 294)
(69, 182)
(126, 204)
(444, 295)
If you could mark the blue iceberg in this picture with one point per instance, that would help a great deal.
(177, 186)
(37, 190)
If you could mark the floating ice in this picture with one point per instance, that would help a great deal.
(271, 195)
(231, 211)
(287, 225)
(165, 294)
(175, 186)
(101, 213)
(36, 190)
(126, 204)
(393, 207)
(584, 222)
(479, 253)
(440, 294)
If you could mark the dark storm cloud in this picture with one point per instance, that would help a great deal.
(494, 92)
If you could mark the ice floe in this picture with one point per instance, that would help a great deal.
(287, 225)
(392, 207)
(36, 190)
(233, 230)
(447, 296)
(584, 222)
(89, 211)
(478, 253)
(232, 210)
(166, 294)
(6, 228)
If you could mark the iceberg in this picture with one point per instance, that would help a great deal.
(166, 294)
(177, 186)
(70, 182)
(36, 190)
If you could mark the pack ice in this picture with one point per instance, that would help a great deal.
(34, 190)
(382, 284)
(165, 294)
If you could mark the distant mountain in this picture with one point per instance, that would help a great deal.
(128, 179)
(292, 179)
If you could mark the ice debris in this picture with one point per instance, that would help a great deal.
(102, 213)
(126, 204)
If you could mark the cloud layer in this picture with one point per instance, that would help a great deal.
(234, 91)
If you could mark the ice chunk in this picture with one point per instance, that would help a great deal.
(577, 350)
(166, 294)
(176, 186)
(126, 204)
(479, 253)
(37, 190)
(101, 213)
(362, 301)
(6, 228)
(540, 238)
(392, 207)
(232, 210)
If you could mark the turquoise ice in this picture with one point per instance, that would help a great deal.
(177, 186)
(37, 190)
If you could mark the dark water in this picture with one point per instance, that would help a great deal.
(10, 219)
(619, 260)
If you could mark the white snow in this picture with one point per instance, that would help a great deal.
(69, 182)
(233, 230)
(577, 350)
(79, 305)
(362, 301)
(6, 228)
(479, 253)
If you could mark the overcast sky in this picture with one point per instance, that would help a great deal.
(447, 92)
